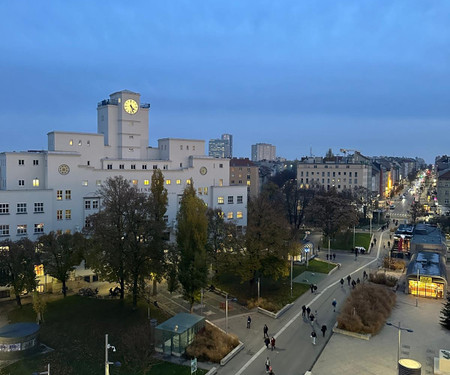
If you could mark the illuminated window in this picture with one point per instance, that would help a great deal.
(21, 208)
(79, 142)
(188, 182)
(239, 214)
(205, 191)
(71, 142)
(135, 182)
(98, 182)
(39, 270)
(39, 228)
(38, 207)
(220, 200)
(229, 215)
(178, 182)
(84, 183)
(22, 229)
(168, 182)
(146, 182)
(68, 194)
(59, 215)
(220, 182)
(68, 214)
(220, 213)
(200, 191)
(248, 183)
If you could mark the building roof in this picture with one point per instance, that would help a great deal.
(428, 264)
(180, 322)
(241, 162)
(445, 175)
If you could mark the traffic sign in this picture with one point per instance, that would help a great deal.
(193, 365)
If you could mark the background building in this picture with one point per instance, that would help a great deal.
(244, 172)
(263, 151)
(221, 148)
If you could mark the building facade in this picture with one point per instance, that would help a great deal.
(243, 172)
(221, 148)
(57, 189)
(263, 151)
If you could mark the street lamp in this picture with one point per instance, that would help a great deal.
(400, 329)
(43, 372)
(107, 362)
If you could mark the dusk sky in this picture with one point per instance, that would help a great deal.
(302, 75)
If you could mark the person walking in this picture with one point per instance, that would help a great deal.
(311, 318)
(303, 310)
(266, 330)
(272, 343)
(323, 329)
(334, 303)
(358, 280)
(364, 275)
(267, 342)
(349, 278)
(334, 256)
(342, 283)
(312, 288)
(267, 364)
(249, 321)
(313, 337)
(353, 284)
(308, 311)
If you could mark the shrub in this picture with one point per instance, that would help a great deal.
(211, 344)
(394, 264)
(264, 304)
(382, 278)
(366, 309)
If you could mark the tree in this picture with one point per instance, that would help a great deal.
(332, 213)
(157, 207)
(39, 307)
(192, 232)
(445, 313)
(173, 258)
(60, 254)
(416, 211)
(17, 261)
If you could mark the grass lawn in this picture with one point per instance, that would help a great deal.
(344, 241)
(76, 326)
(278, 292)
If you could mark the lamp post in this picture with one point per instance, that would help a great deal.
(292, 268)
(107, 362)
(400, 329)
(43, 372)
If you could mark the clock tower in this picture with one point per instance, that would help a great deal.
(123, 120)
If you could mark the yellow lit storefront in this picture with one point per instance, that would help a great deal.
(426, 287)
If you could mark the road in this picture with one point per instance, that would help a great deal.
(295, 353)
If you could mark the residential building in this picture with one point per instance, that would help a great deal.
(263, 151)
(221, 148)
(443, 189)
(243, 172)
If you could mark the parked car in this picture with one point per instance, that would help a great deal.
(360, 249)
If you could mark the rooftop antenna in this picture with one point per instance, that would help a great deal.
(310, 152)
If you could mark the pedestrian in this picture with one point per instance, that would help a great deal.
(364, 275)
(315, 288)
(327, 256)
(267, 364)
(334, 256)
(267, 342)
(318, 248)
(349, 279)
(358, 280)
(342, 283)
(272, 343)
(312, 288)
(311, 318)
(389, 244)
(303, 310)
(308, 310)
(266, 330)
(334, 303)
(353, 284)
(371, 245)
(375, 240)
(313, 337)
(356, 254)
(249, 321)
(323, 329)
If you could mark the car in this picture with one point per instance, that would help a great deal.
(392, 206)
(360, 249)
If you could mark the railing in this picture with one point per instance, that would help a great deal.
(108, 102)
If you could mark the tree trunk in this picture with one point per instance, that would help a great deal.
(64, 290)
(122, 288)
(135, 293)
(155, 287)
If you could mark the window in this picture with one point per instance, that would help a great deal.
(240, 199)
(168, 182)
(205, 191)
(200, 191)
(248, 182)
(239, 215)
(68, 214)
(88, 163)
(166, 218)
(84, 183)
(95, 204)
(193, 148)
(38, 207)
(21, 182)
(59, 215)
(4, 230)
(22, 229)
(71, 142)
(355, 181)
(121, 166)
(248, 177)
(87, 205)
(181, 165)
(88, 143)
(79, 143)
(144, 166)
(35, 182)
(229, 215)
(21, 208)
(4, 208)
(356, 174)
(188, 182)
(39, 228)
(68, 194)
(220, 165)
(135, 182)
(178, 182)
(146, 182)
(220, 200)
(133, 166)
(98, 182)
(350, 174)
(181, 147)
(35, 162)
(230, 199)
(220, 182)
(109, 166)
(155, 166)
(21, 162)
(58, 195)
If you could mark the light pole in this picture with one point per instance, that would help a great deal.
(43, 372)
(107, 362)
(292, 268)
(400, 329)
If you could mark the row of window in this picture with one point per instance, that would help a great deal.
(328, 187)
(328, 174)
(307, 180)
(21, 182)
(80, 143)
(22, 162)
(181, 147)
(240, 176)
(87, 204)
(133, 166)
(59, 214)
(21, 208)
(59, 195)
(230, 200)
(240, 182)
(21, 229)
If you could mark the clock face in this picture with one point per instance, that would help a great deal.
(63, 169)
(130, 106)
(203, 170)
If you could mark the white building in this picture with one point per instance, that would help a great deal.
(56, 190)
(263, 151)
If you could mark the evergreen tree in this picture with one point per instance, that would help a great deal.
(192, 232)
(445, 313)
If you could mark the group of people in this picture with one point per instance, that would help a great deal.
(268, 341)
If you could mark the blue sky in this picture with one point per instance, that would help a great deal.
(302, 75)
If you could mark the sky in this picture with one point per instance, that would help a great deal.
(305, 76)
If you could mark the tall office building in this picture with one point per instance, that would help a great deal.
(221, 148)
(263, 151)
